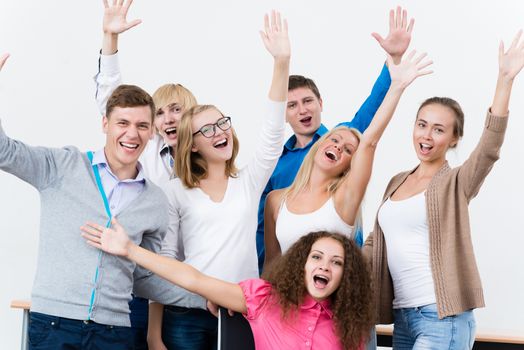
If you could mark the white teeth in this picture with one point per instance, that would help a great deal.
(170, 130)
(425, 145)
(331, 155)
(129, 145)
(219, 143)
(321, 277)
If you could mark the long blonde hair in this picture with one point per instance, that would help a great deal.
(303, 178)
(190, 166)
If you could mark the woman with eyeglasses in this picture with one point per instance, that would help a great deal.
(213, 205)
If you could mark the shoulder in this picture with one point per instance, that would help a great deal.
(274, 198)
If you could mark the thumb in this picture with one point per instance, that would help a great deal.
(3, 58)
(389, 60)
(133, 23)
(377, 37)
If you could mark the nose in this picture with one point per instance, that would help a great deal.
(132, 131)
(301, 108)
(169, 118)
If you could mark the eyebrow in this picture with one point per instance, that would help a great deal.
(437, 124)
(321, 252)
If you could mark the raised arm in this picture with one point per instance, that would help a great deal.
(272, 246)
(395, 45)
(510, 65)
(115, 241)
(276, 40)
(108, 77)
(3, 59)
(351, 191)
(480, 162)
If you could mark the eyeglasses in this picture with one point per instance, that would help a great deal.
(210, 130)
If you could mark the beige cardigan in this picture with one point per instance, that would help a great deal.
(455, 275)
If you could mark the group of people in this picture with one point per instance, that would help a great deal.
(171, 223)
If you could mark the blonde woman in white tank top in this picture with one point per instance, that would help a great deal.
(336, 169)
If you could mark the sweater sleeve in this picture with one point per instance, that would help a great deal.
(472, 173)
(38, 166)
(107, 79)
(269, 149)
(160, 290)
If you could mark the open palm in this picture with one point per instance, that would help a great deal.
(115, 17)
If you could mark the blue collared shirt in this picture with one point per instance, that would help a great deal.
(291, 158)
(119, 193)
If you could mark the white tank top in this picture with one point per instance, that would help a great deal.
(406, 233)
(290, 227)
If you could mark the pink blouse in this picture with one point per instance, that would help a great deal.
(313, 329)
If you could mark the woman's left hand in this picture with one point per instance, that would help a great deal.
(408, 69)
(511, 61)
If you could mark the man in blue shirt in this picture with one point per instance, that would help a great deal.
(303, 114)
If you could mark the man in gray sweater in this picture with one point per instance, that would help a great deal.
(80, 297)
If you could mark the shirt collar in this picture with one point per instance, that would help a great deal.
(310, 303)
(99, 158)
(290, 143)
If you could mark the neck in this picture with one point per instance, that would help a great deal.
(318, 182)
(122, 172)
(302, 140)
(216, 171)
(429, 169)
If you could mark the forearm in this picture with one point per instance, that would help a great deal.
(109, 44)
(280, 81)
(500, 106)
(383, 116)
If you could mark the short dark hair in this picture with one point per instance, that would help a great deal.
(299, 81)
(454, 106)
(129, 96)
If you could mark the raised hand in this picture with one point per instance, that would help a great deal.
(399, 36)
(408, 69)
(275, 36)
(111, 240)
(3, 58)
(115, 21)
(511, 61)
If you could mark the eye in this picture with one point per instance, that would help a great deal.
(143, 127)
(421, 125)
(291, 105)
(315, 257)
(334, 140)
(338, 263)
(159, 113)
(347, 150)
(439, 131)
(175, 109)
(308, 100)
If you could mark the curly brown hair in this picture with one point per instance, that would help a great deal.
(351, 303)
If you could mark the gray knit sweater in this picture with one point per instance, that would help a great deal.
(65, 284)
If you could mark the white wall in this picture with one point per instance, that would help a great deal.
(213, 48)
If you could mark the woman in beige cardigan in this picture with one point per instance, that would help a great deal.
(426, 280)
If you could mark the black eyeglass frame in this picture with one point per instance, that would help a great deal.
(215, 126)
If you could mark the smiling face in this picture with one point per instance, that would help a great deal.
(336, 150)
(128, 129)
(433, 133)
(167, 119)
(303, 111)
(324, 268)
(218, 148)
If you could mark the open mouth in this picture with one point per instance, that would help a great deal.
(306, 120)
(220, 144)
(129, 145)
(320, 281)
(425, 148)
(170, 131)
(331, 155)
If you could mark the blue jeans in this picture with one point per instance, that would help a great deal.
(57, 333)
(139, 308)
(419, 328)
(189, 329)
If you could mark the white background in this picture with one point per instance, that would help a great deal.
(213, 48)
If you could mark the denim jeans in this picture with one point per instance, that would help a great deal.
(139, 308)
(57, 333)
(420, 328)
(189, 329)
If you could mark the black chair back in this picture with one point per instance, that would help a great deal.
(234, 332)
